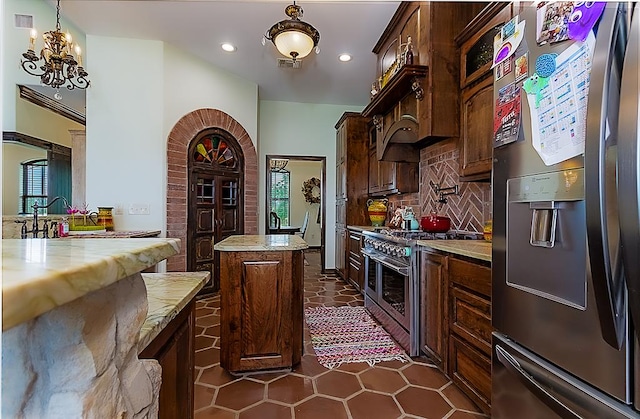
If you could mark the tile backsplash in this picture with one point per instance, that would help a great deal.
(439, 163)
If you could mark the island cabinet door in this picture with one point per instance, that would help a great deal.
(261, 297)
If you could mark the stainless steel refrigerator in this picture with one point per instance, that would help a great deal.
(566, 233)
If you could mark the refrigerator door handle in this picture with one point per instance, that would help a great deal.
(513, 366)
(603, 229)
(628, 169)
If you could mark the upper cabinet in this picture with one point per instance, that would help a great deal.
(476, 81)
(416, 99)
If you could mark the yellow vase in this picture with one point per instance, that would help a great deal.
(377, 209)
(105, 218)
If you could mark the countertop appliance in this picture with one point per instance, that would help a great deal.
(392, 278)
(565, 261)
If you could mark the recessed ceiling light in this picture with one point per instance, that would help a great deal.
(228, 47)
(344, 57)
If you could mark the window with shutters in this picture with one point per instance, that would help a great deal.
(34, 185)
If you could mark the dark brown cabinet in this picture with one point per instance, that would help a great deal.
(433, 281)
(469, 334)
(355, 273)
(423, 95)
(476, 98)
(476, 139)
(388, 177)
(352, 163)
(174, 350)
(262, 309)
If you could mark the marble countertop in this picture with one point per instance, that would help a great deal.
(261, 243)
(41, 274)
(477, 249)
(362, 228)
(168, 294)
(115, 234)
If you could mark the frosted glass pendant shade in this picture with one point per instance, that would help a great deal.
(294, 44)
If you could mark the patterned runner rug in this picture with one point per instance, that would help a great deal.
(349, 334)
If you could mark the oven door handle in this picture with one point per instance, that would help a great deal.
(403, 270)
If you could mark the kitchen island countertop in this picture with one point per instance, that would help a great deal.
(261, 243)
(477, 249)
(39, 275)
(168, 294)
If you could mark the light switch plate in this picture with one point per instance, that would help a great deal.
(139, 209)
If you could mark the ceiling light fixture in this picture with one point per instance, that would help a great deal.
(278, 165)
(228, 47)
(292, 37)
(59, 67)
(344, 57)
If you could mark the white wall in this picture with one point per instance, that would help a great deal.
(129, 117)
(16, 41)
(302, 129)
(190, 83)
(125, 144)
(12, 156)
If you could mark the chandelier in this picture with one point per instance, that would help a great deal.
(278, 165)
(292, 37)
(59, 67)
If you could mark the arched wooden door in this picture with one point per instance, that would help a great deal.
(215, 207)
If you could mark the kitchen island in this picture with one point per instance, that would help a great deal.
(72, 321)
(261, 288)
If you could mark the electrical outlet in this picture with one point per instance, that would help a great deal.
(139, 209)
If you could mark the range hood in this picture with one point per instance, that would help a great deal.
(398, 140)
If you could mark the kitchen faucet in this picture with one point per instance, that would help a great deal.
(45, 227)
(443, 192)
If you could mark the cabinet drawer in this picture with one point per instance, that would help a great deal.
(354, 246)
(471, 371)
(354, 274)
(470, 317)
(472, 276)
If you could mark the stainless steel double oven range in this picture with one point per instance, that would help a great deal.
(392, 281)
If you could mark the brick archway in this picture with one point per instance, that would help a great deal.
(177, 175)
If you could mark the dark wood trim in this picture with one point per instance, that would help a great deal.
(480, 20)
(46, 102)
(323, 201)
(395, 20)
(17, 137)
(397, 88)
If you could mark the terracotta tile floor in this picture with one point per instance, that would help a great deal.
(394, 389)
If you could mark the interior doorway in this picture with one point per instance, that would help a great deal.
(295, 191)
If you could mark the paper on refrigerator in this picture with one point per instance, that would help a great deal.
(558, 124)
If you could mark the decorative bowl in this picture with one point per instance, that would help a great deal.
(435, 224)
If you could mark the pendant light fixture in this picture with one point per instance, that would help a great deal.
(292, 37)
(58, 67)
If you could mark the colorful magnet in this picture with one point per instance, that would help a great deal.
(584, 17)
(546, 65)
(504, 48)
(534, 86)
(522, 66)
(552, 19)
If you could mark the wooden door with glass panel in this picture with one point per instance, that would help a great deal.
(215, 209)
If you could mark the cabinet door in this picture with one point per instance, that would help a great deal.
(477, 130)
(356, 275)
(374, 181)
(259, 329)
(433, 307)
(341, 181)
(341, 252)
(174, 350)
(470, 370)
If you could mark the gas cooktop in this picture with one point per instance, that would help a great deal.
(423, 235)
